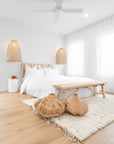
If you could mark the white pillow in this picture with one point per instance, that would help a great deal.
(38, 73)
(29, 71)
(50, 71)
(44, 69)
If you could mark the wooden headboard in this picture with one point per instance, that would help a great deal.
(32, 65)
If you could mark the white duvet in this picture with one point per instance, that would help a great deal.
(42, 86)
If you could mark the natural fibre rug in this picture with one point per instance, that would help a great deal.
(101, 113)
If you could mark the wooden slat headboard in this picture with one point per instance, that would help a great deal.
(32, 65)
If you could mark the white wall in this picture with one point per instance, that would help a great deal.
(37, 46)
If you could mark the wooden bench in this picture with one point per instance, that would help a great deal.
(69, 86)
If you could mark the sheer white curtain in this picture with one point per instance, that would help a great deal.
(76, 58)
(105, 59)
(105, 51)
(98, 53)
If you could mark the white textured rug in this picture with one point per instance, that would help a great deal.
(101, 112)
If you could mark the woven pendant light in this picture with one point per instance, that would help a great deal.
(61, 56)
(13, 52)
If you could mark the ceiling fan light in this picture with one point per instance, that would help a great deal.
(86, 15)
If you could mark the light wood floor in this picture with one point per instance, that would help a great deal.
(19, 125)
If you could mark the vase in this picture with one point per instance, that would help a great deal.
(76, 106)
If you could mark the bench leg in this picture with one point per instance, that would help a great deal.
(59, 93)
(103, 93)
(95, 91)
(66, 96)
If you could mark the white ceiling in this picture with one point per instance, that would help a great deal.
(22, 12)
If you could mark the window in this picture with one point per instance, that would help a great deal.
(105, 52)
(76, 58)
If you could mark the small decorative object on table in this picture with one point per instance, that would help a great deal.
(50, 106)
(76, 106)
(13, 84)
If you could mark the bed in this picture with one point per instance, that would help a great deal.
(40, 84)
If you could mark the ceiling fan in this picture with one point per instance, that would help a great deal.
(58, 10)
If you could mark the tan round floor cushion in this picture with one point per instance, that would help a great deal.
(50, 106)
(76, 106)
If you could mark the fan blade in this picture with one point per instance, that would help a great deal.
(5, 19)
(43, 10)
(72, 10)
(59, 3)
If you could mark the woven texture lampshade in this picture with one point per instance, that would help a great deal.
(13, 52)
(61, 56)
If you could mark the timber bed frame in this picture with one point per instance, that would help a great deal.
(32, 65)
(68, 87)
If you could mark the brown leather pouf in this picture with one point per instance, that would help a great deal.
(50, 106)
(76, 106)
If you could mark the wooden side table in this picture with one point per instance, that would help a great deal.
(13, 85)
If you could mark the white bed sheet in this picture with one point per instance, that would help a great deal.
(41, 87)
